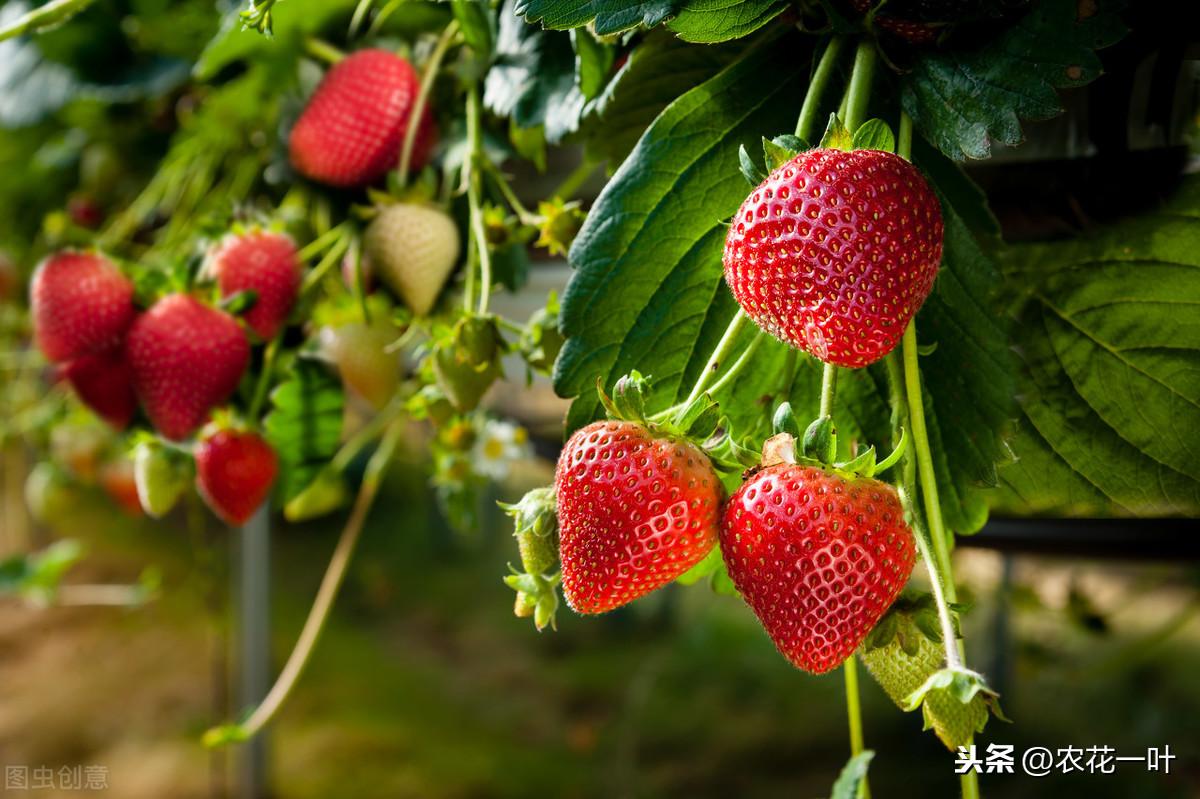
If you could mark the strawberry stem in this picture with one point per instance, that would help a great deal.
(723, 350)
(323, 50)
(854, 714)
(859, 93)
(418, 109)
(326, 594)
(264, 378)
(45, 16)
(474, 181)
(810, 111)
(828, 389)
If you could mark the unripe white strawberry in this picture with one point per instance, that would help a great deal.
(413, 249)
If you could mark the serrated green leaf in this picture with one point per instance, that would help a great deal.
(714, 21)
(593, 61)
(874, 134)
(963, 100)
(852, 776)
(1110, 388)
(660, 69)
(647, 290)
(478, 25)
(533, 77)
(608, 16)
(304, 425)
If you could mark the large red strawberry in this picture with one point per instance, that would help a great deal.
(186, 359)
(635, 511)
(81, 304)
(351, 131)
(835, 252)
(266, 264)
(104, 382)
(234, 473)
(818, 557)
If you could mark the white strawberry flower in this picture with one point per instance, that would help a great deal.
(498, 445)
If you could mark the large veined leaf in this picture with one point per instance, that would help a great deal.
(712, 21)
(608, 16)
(1110, 395)
(304, 425)
(660, 69)
(647, 291)
(963, 100)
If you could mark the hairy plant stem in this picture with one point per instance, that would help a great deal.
(323, 50)
(475, 159)
(418, 109)
(854, 715)
(723, 350)
(45, 16)
(859, 93)
(808, 118)
(326, 594)
(828, 388)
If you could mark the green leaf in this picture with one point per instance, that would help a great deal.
(608, 16)
(963, 100)
(1110, 389)
(713, 21)
(478, 25)
(836, 136)
(659, 70)
(852, 776)
(874, 135)
(533, 78)
(593, 61)
(304, 425)
(780, 150)
(647, 292)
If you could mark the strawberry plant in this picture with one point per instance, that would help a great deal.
(799, 358)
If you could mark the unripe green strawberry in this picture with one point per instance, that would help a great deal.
(360, 352)
(413, 249)
(49, 495)
(161, 477)
(901, 656)
(325, 494)
(536, 530)
(467, 362)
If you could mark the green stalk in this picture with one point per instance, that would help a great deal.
(575, 180)
(809, 112)
(326, 594)
(739, 364)
(264, 377)
(418, 109)
(854, 714)
(859, 93)
(828, 389)
(56, 12)
(323, 50)
(474, 199)
(724, 347)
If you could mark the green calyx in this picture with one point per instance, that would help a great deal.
(818, 447)
(537, 597)
(698, 421)
(466, 361)
(874, 134)
(959, 683)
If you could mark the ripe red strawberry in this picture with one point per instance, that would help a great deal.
(819, 558)
(266, 264)
(835, 252)
(635, 511)
(186, 359)
(81, 304)
(234, 473)
(351, 131)
(104, 382)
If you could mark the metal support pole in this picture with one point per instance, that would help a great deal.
(254, 655)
